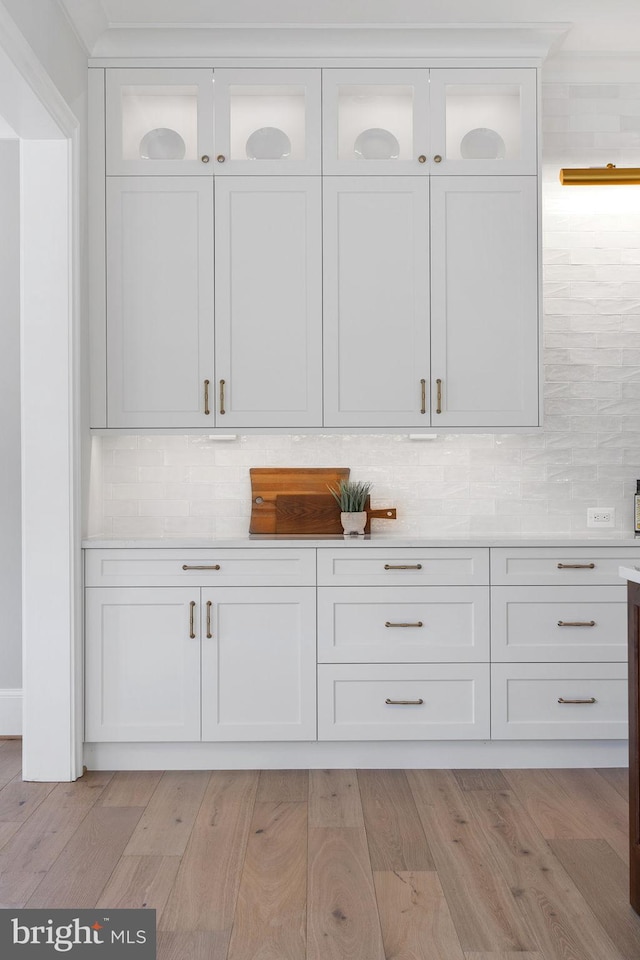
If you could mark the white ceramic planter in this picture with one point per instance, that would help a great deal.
(353, 524)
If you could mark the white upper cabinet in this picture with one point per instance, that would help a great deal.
(159, 122)
(376, 301)
(268, 302)
(429, 122)
(375, 121)
(483, 121)
(484, 302)
(160, 301)
(267, 122)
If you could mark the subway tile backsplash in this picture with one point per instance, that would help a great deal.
(588, 453)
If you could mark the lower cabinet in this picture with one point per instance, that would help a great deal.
(413, 643)
(184, 663)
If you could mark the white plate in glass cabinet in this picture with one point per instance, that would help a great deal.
(267, 122)
(159, 122)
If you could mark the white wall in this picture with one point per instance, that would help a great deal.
(588, 453)
(10, 537)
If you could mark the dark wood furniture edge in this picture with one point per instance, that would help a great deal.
(633, 596)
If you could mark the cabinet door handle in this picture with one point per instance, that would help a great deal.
(418, 623)
(206, 398)
(403, 566)
(422, 158)
(405, 703)
(192, 612)
(576, 566)
(213, 566)
(204, 158)
(423, 396)
(589, 700)
(221, 158)
(437, 158)
(222, 386)
(438, 396)
(576, 623)
(209, 634)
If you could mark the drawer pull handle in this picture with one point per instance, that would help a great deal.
(214, 566)
(403, 566)
(209, 634)
(576, 623)
(589, 700)
(222, 386)
(192, 610)
(418, 623)
(405, 703)
(423, 396)
(206, 398)
(576, 566)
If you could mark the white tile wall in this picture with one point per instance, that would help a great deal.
(535, 484)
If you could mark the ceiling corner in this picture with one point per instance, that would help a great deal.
(88, 20)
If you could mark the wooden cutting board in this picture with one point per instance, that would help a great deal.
(310, 513)
(267, 483)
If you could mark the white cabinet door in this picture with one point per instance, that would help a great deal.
(268, 302)
(159, 122)
(376, 296)
(484, 302)
(267, 122)
(258, 663)
(142, 664)
(159, 301)
(483, 121)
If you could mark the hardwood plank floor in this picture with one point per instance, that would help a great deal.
(333, 864)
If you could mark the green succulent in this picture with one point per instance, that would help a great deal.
(351, 495)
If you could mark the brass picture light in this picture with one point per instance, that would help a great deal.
(595, 176)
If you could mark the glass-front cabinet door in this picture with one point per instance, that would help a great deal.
(483, 121)
(375, 121)
(159, 122)
(267, 122)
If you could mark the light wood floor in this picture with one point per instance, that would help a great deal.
(333, 865)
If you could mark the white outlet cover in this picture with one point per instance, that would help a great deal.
(601, 517)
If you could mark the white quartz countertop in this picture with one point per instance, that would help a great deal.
(630, 573)
(371, 540)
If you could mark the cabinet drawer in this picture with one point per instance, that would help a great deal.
(445, 702)
(403, 624)
(558, 624)
(555, 565)
(412, 566)
(205, 568)
(526, 701)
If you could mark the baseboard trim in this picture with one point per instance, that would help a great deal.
(363, 755)
(11, 712)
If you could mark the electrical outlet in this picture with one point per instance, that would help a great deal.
(601, 517)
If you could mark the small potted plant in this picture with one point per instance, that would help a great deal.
(351, 496)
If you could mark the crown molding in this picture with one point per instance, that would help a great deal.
(87, 19)
(482, 40)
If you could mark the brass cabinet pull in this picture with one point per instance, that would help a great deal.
(576, 623)
(209, 605)
(576, 566)
(204, 158)
(418, 623)
(438, 396)
(403, 566)
(222, 386)
(221, 158)
(192, 610)
(422, 158)
(213, 566)
(423, 396)
(437, 158)
(406, 703)
(589, 700)
(206, 398)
